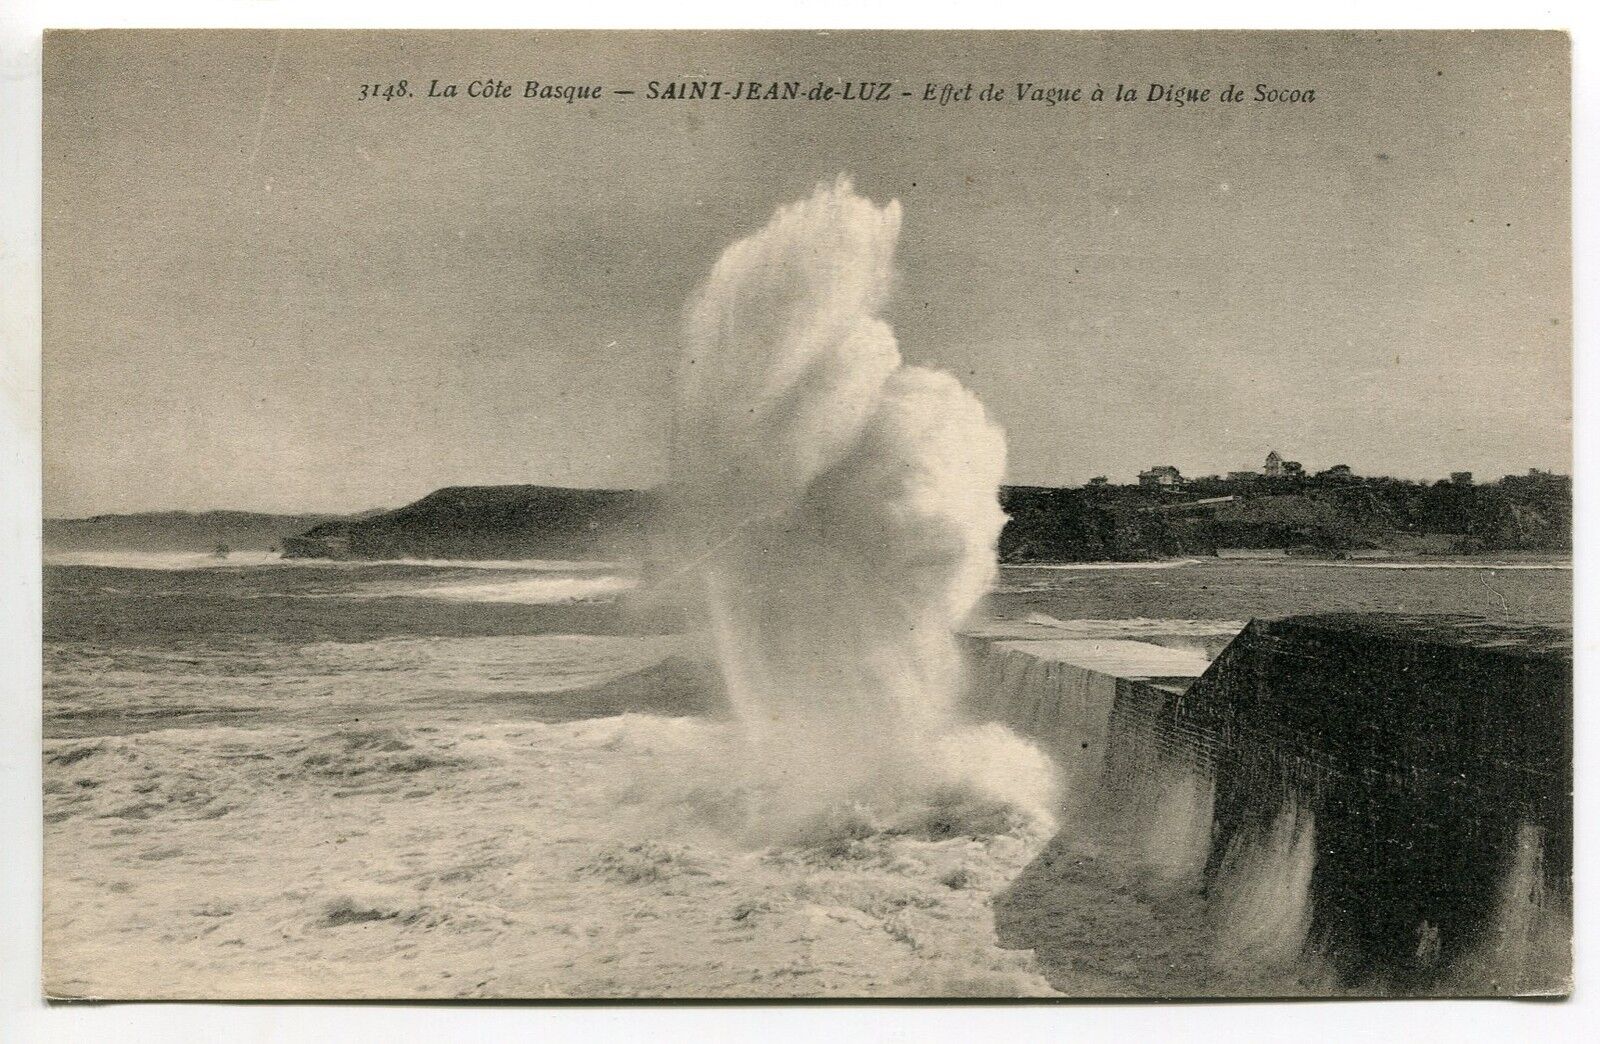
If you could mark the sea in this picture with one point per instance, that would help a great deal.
(275, 778)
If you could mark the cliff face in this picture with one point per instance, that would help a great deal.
(492, 522)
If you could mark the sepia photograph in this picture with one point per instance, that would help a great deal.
(757, 515)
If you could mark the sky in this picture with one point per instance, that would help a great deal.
(264, 293)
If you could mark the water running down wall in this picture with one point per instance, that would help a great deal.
(1359, 803)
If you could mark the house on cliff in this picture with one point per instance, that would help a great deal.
(1161, 475)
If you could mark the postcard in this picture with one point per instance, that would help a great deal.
(835, 515)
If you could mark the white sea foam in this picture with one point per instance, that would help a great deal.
(533, 590)
(542, 565)
(431, 856)
(840, 510)
(1172, 563)
(175, 560)
(1130, 627)
(165, 561)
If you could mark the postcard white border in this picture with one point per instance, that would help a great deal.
(23, 1016)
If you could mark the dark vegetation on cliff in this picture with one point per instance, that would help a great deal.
(1310, 516)
(1093, 523)
(493, 522)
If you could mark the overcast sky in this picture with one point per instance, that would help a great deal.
(263, 293)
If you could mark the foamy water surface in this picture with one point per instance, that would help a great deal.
(455, 815)
(248, 782)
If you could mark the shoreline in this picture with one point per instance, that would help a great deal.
(1524, 560)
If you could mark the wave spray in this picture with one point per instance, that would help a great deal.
(839, 512)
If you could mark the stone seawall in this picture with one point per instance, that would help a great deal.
(1432, 758)
(1068, 693)
(1361, 803)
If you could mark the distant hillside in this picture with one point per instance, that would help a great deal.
(176, 531)
(492, 522)
(1106, 523)
(1308, 516)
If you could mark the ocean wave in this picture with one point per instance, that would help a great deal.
(1490, 566)
(1282, 561)
(634, 858)
(179, 560)
(1130, 627)
(533, 590)
(1166, 563)
(530, 565)
(165, 561)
